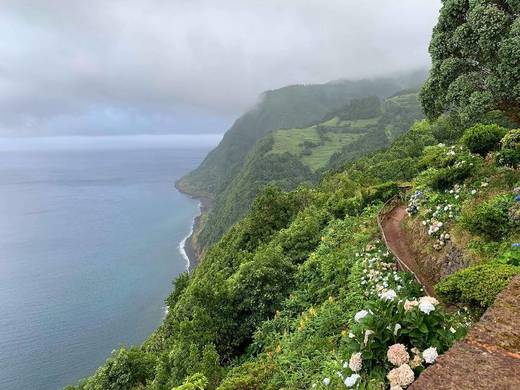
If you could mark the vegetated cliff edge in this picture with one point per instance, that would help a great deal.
(326, 123)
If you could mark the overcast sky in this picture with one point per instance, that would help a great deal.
(188, 66)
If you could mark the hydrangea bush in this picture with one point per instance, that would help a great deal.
(439, 210)
(399, 332)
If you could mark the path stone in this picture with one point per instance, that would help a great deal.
(489, 356)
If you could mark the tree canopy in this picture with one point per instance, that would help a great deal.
(475, 50)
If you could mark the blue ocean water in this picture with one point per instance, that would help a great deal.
(89, 245)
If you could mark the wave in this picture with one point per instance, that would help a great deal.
(182, 244)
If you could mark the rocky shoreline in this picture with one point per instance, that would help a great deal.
(192, 252)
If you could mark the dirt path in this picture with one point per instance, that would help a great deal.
(396, 241)
(489, 356)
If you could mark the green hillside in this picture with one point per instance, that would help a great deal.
(291, 291)
(292, 106)
(289, 157)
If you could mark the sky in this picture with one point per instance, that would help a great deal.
(188, 66)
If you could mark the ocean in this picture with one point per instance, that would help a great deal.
(90, 229)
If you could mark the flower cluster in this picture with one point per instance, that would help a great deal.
(380, 277)
(395, 331)
(414, 203)
(398, 330)
(442, 210)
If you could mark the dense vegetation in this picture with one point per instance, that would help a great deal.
(301, 292)
(274, 303)
(476, 56)
(289, 157)
(288, 107)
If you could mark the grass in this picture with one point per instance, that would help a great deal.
(404, 100)
(291, 141)
(360, 123)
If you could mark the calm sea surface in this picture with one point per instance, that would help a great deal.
(89, 244)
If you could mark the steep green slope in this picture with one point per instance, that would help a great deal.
(291, 291)
(288, 157)
(287, 107)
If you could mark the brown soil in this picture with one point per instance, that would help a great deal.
(395, 238)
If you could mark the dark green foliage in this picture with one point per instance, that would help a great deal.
(259, 170)
(476, 286)
(363, 108)
(380, 193)
(271, 211)
(398, 115)
(491, 219)
(124, 370)
(262, 166)
(180, 285)
(482, 139)
(287, 107)
(476, 60)
(444, 167)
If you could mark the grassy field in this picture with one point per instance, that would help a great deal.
(404, 100)
(315, 152)
(292, 141)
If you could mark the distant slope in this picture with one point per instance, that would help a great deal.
(288, 107)
(289, 157)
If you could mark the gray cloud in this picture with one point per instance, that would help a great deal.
(188, 65)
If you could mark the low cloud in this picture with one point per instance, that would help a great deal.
(188, 65)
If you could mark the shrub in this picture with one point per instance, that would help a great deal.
(490, 219)
(444, 178)
(194, 382)
(446, 166)
(381, 192)
(509, 155)
(482, 139)
(476, 286)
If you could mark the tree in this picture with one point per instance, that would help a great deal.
(475, 50)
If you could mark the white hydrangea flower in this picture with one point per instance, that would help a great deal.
(326, 381)
(351, 381)
(426, 307)
(430, 355)
(388, 295)
(360, 315)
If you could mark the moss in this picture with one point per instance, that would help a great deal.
(476, 286)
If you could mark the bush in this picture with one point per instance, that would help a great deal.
(491, 219)
(482, 139)
(444, 166)
(509, 155)
(444, 178)
(381, 192)
(476, 286)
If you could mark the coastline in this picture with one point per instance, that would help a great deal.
(186, 247)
